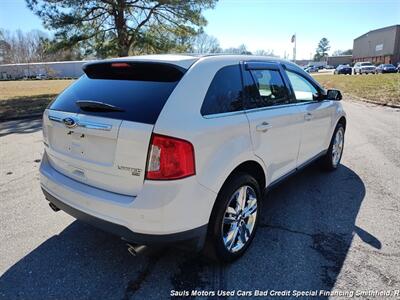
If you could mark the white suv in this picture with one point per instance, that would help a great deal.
(167, 148)
(364, 68)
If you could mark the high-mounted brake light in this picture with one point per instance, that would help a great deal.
(169, 158)
(120, 65)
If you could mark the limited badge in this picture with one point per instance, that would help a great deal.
(134, 171)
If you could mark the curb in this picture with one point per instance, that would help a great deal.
(356, 98)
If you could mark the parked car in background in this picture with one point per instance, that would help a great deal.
(311, 69)
(328, 67)
(398, 68)
(364, 68)
(385, 68)
(343, 69)
(41, 76)
(126, 151)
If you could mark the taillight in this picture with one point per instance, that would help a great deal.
(169, 158)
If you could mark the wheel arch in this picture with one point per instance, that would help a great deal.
(252, 168)
(342, 120)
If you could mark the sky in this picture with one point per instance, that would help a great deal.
(267, 24)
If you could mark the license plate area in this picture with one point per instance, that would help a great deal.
(68, 142)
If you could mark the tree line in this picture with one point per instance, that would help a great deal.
(27, 47)
(37, 46)
(109, 28)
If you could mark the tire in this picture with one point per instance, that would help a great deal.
(225, 250)
(331, 160)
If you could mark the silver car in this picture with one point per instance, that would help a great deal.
(364, 68)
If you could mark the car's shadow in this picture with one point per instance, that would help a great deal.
(307, 226)
(20, 126)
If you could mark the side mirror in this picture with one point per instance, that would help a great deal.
(334, 95)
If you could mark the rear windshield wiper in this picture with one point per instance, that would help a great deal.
(89, 105)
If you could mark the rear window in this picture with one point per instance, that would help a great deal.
(225, 92)
(140, 90)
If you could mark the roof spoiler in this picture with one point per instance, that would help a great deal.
(134, 70)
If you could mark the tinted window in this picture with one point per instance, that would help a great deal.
(267, 89)
(303, 89)
(140, 100)
(224, 93)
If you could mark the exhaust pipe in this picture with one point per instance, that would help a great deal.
(53, 207)
(135, 250)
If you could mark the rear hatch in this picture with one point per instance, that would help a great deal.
(98, 130)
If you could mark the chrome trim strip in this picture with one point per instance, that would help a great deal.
(55, 119)
(273, 107)
(84, 124)
(226, 114)
(96, 126)
(220, 115)
(284, 105)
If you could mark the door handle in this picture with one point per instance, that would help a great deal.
(263, 127)
(308, 116)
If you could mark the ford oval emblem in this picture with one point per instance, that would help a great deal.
(69, 122)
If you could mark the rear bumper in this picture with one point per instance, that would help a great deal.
(163, 212)
(196, 235)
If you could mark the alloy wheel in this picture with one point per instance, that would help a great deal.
(337, 147)
(239, 219)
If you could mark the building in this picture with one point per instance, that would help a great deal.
(303, 62)
(307, 62)
(339, 60)
(378, 46)
(60, 69)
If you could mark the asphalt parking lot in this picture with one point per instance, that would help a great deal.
(319, 231)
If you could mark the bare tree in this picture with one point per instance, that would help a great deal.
(242, 49)
(5, 49)
(263, 52)
(341, 52)
(19, 47)
(204, 43)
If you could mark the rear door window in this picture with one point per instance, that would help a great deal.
(265, 88)
(140, 90)
(225, 92)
